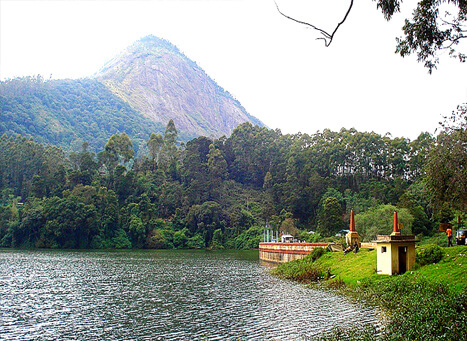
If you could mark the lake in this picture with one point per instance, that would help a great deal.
(160, 295)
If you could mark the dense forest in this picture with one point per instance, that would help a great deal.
(221, 193)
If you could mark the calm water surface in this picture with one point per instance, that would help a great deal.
(160, 295)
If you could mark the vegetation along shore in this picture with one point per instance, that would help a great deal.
(428, 303)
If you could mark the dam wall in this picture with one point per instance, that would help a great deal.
(285, 252)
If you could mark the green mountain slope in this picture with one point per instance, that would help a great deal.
(159, 81)
(68, 112)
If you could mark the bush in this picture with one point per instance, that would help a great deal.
(316, 253)
(438, 238)
(250, 238)
(360, 333)
(157, 239)
(180, 238)
(120, 240)
(301, 270)
(428, 254)
(195, 242)
(418, 309)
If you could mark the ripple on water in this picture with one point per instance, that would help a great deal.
(159, 295)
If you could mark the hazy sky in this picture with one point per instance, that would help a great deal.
(276, 68)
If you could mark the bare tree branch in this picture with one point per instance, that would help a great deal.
(327, 37)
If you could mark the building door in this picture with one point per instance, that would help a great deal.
(402, 259)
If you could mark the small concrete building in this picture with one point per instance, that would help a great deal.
(396, 253)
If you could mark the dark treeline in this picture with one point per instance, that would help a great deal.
(220, 193)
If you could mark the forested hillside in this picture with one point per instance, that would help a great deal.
(68, 112)
(221, 193)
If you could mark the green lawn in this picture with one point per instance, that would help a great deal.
(451, 270)
(350, 268)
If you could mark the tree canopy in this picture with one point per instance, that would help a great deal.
(435, 26)
(223, 192)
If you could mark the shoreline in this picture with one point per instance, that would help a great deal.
(427, 303)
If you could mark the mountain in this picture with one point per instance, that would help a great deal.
(137, 92)
(161, 83)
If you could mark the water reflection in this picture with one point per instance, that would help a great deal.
(159, 295)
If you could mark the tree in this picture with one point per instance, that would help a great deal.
(155, 145)
(327, 37)
(205, 219)
(171, 133)
(379, 221)
(430, 31)
(137, 232)
(169, 155)
(217, 169)
(195, 170)
(447, 162)
(119, 149)
(330, 217)
(217, 166)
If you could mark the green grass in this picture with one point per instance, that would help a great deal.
(451, 270)
(350, 268)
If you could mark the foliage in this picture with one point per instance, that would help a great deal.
(317, 253)
(446, 172)
(310, 237)
(195, 242)
(365, 333)
(68, 112)
(419, 309)
(451, 270)
(212, 193)
(302, 270)
(379, 221)
(249, 239)
(330, 217)
(437, 238)
(432, 29)
(428, 254)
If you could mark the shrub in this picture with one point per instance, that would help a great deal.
(418, 309)
(316, 253)
(120, 240)
(250, 238)
(438, 238)
(361, 333)
(301, 270)
(195, 242)
(428, 254)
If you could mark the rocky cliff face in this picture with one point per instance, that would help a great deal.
(159, 81)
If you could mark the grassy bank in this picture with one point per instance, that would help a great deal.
(428, 303)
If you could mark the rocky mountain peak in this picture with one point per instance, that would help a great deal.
(156, 79)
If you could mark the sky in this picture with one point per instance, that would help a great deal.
(276, 68)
